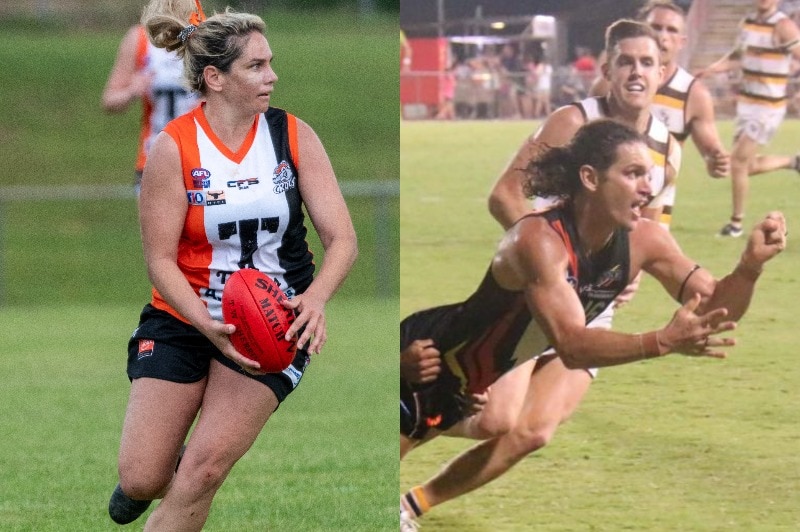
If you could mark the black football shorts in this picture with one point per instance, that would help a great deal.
(163, 347)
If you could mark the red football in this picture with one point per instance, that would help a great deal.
(252, 302)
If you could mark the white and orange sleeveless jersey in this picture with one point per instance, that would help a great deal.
(766, 65)
(168, 96)
(244, 207)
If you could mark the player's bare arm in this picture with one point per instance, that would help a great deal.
(720, 302)
(507, 201)
(537, 260)
(788, 35)
(735, 290)
(328, 212)
(726, 63)
(703, 127)
(125, 82)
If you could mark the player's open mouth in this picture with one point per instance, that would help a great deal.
(634, 87)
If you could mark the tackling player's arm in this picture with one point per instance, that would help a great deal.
(507, 201)
(703, 127)
(420, 362)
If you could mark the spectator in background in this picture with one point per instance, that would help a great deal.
(586, 66)
(543, 88)
(484, 85)
(406, 52)
(153, 75)
(463, 94)
(447, 89)
(513, 82)
(570, 86)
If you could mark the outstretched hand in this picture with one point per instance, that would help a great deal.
(696, 335)
(718, 164)
(767, 239)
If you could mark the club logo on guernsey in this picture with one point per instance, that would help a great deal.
(201, 178)
(283, 178)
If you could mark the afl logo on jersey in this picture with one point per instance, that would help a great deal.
(283, 178)
(201, 178)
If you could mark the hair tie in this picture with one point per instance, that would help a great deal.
(185, 32)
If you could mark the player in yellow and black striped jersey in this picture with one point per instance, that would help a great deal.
(768, 41)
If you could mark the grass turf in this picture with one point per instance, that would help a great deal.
(320, 463)
(670, 444)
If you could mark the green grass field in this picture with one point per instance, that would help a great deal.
(670, 444)
(320, 463)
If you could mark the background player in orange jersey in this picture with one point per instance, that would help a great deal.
(153, 75)
(223, 189)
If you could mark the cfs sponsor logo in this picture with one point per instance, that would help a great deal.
(145, 348)
(201, 178)
(243, 184)
(282, 178)
(203, 198)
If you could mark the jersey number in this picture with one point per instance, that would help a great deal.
(248, 235)
(170, 97)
